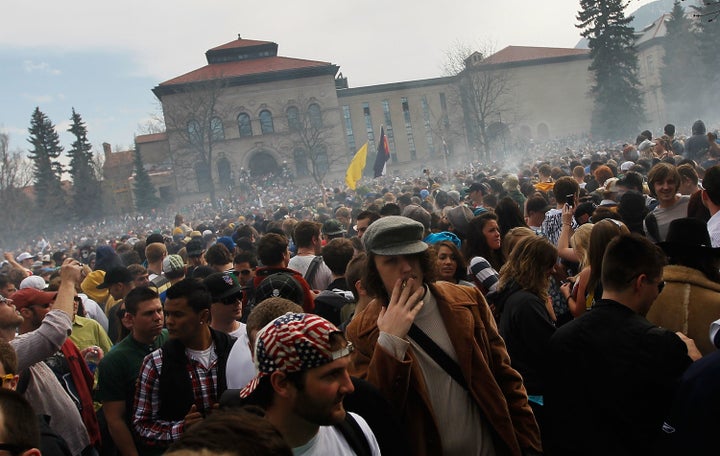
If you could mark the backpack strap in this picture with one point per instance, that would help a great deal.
(354, 435)
(312, 269)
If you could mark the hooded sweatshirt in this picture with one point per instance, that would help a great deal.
(697, 144)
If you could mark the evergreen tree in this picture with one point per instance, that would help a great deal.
(86, 199)
(707, 32)
(145, 198)
(680, 77)
(618, 109)
(47, 170)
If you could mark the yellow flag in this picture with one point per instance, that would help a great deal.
(357, 165)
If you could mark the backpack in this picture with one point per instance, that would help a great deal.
(313, 269)
(334, 306)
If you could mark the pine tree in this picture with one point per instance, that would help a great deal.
(145, 198)
(679, 77)
(86, 201)
(618, 109)
(707, 32)
(47, 170)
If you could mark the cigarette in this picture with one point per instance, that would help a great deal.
(403, 284)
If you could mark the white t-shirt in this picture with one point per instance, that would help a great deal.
(329, 441)
(240, 368)
(323, 276)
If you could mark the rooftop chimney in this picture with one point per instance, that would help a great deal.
(107, 150)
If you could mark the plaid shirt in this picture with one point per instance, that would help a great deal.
(152, 430)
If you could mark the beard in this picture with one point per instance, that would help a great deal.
(322, 414)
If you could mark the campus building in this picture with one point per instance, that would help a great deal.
(249, 112)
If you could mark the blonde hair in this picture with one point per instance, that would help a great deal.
(529, 266)
(514, 236)
(580, 241)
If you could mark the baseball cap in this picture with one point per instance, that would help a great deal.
(24, 256)
(173, 263)
(294, 342)
(194, 247)
(28, 297)
(222, 285)
(33, 281)
(394, 235)
(282, 285)
(227, 242)
(119, 274)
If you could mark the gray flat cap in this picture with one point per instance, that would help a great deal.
(394, 235)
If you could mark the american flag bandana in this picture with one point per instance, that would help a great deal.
(294, 342)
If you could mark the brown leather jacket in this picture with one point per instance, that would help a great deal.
(496, 387)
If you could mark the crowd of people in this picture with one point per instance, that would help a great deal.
(567, 304)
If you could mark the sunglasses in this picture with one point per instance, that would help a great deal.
(7, 378)
(245, 271)
(233, 299)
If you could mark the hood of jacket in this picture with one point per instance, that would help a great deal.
(698, 128)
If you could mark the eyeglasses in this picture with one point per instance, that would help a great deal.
(245, 271)
(230, 300)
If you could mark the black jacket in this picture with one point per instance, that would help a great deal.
(176, 390)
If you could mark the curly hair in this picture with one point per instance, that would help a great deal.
(374, 282)
(529, 266)
(457, 256)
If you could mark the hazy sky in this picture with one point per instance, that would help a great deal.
(103, 58)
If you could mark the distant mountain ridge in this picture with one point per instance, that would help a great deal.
(643, 16)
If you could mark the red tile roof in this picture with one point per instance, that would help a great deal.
(240, 43)
(153, 137)
(529, 53)
(244, 68)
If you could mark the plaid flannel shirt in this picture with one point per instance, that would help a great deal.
(152, 430)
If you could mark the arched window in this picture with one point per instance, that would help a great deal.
(244, 124)
(202, 174)
(322, 164)
(194, 133)
(224, 172)
(301, 166)
(315, 115)
(293, 118)
(266, 122)
(217, 133)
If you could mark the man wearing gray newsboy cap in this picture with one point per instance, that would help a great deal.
(457, 393)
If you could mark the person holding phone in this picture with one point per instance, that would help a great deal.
(476, 402)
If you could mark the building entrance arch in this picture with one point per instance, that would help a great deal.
(263, 163)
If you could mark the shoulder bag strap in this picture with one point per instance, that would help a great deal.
(354, 435)
(438, 355)
(312, 270)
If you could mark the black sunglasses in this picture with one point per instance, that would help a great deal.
(232, 299)
(245, 271)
